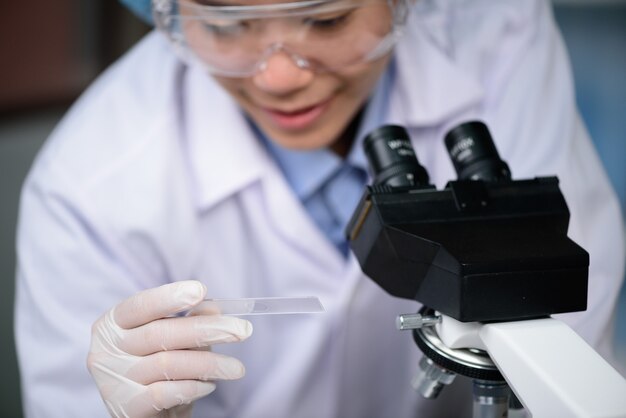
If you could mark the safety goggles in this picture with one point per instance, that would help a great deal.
(320, 35)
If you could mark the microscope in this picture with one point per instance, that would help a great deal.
(489, 259)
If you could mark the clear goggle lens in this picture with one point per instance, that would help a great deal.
(322, 35)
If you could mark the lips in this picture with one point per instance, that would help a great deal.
(299, 118)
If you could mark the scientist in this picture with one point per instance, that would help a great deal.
(221, 157)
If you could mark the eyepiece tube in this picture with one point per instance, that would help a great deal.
(392, 158)
(474, 153)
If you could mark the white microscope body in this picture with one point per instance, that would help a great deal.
(550, 368)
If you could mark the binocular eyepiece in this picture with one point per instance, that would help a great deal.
(470, 146)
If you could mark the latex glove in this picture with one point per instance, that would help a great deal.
(148, 365)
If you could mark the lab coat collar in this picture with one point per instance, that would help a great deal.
(226, 157)
(430, 87)
(224, 153)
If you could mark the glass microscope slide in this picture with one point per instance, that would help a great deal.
(259, 306)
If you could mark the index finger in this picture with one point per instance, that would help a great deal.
(158, 302)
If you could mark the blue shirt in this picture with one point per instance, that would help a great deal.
(328, 186)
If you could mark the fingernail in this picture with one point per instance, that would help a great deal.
(243, 328)
(229, 368)
(222, 329)
(203, 389)
(240, 329)
(190, 292)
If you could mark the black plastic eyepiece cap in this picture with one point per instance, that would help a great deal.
(474, 153)
(392, 159)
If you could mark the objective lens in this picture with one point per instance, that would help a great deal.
(474, 154)
(392, 158)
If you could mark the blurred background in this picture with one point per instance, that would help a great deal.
(52, 50)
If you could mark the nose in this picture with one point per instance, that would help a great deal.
(281, 75)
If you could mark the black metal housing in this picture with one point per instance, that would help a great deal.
(476, 251)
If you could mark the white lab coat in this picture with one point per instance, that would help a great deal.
(154, 176)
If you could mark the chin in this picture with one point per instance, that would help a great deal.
(302, 141)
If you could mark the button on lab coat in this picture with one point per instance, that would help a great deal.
(154, 176)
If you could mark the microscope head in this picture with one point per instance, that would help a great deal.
(485, 248)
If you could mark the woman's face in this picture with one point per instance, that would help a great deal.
(296, 106)
(299, 109)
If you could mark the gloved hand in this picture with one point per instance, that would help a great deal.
(149, 364)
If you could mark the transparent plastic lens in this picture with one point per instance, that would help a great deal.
(320, 35)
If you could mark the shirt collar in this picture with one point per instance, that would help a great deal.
(224, 154)
(307, 171)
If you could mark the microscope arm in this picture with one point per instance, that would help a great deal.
(553, 371)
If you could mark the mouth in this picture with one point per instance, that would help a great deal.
(297, 119)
